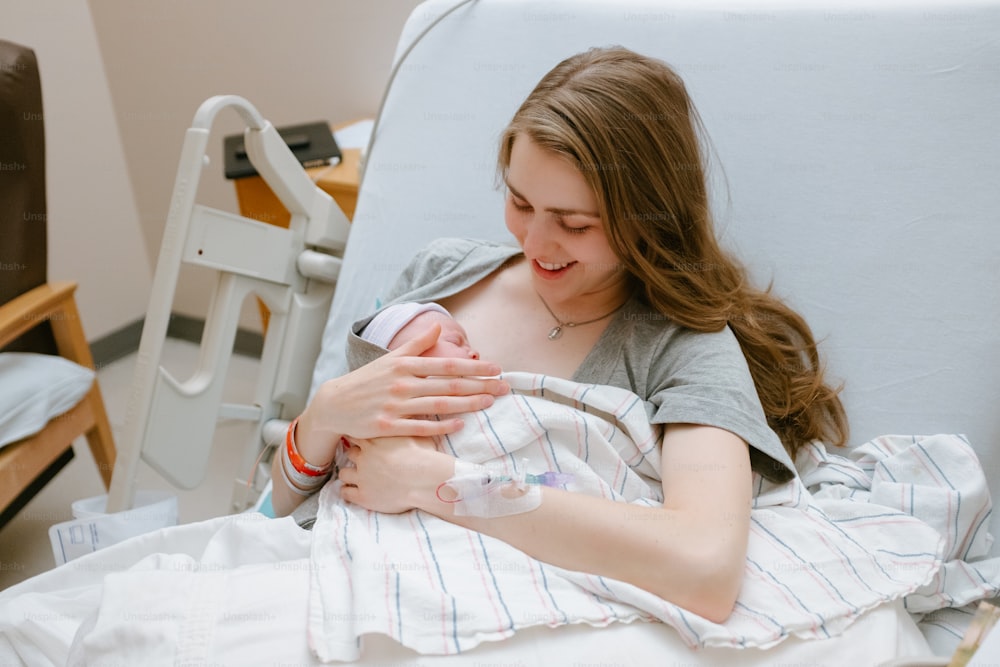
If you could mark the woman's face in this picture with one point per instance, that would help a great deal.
(553, 214)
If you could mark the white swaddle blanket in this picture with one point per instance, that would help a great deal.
(438, 588)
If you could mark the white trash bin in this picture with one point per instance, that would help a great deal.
(92, 528)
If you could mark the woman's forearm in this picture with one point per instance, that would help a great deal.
(675, 554)
(692, 551)
(316, 446)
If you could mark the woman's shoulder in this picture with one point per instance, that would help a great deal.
(447, 262)
(701, 377)
(457, 250)
(444, 254)
(646, 350)
(656, 333)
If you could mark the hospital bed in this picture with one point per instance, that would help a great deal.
(854, 163)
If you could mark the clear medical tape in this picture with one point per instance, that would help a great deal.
(475, 490)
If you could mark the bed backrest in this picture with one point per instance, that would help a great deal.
(861, 155)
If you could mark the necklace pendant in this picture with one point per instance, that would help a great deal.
(556, 332)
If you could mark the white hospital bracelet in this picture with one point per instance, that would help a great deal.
(300, 483)
(291, 487)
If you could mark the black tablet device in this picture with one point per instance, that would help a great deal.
(312, 143)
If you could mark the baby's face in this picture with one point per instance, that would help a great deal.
(452, 343)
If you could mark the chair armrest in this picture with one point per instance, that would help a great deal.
(52, 302)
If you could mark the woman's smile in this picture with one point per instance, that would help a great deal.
(549, 271)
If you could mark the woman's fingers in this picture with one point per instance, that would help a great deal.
(427, 427)
(381, 398)
(348, 476)
(349, 493)
(421, 343)
(392, 473)
(447, 405)
(457, 387)
(445, 366)
(411, 399)
(409, 353)
(350, 451)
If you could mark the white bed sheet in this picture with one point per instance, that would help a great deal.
(241, 589)
(233, 592)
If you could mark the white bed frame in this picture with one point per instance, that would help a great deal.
(170, 423)
(861, 173)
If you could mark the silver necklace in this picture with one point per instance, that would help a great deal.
(556, 332)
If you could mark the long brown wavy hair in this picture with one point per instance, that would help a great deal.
(627, 123)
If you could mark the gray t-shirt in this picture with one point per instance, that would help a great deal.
(682, 375)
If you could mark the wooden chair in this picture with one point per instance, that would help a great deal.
(37, 316)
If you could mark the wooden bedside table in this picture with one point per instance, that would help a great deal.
(340, 181)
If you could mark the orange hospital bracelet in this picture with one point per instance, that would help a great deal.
(298, 463)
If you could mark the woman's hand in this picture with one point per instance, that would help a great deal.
(400, 393)
(393, 474)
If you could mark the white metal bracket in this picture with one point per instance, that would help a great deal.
(170, 423)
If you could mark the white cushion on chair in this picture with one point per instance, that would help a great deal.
(34, 388)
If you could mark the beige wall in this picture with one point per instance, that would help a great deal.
(121, 80)
(297, 61)
(94, 235)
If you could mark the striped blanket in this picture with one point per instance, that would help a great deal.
(816, 562)
(937, 479)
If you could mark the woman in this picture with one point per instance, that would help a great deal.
(618, 280)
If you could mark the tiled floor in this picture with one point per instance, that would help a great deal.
(25, 549)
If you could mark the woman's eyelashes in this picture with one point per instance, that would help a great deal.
(570, 229)
(525, 207)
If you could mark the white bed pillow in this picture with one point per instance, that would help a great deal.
(34, 388)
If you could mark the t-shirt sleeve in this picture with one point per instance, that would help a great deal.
(703, 378)
(440, 265)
